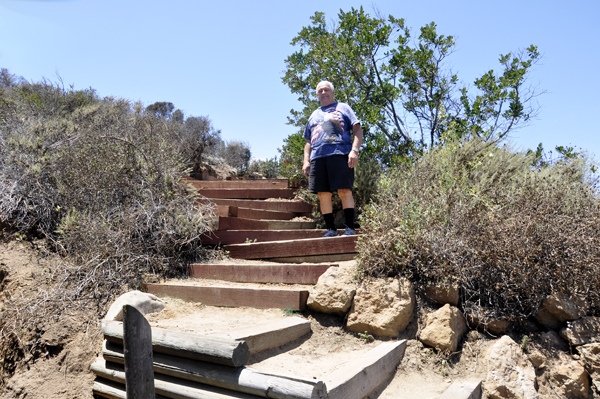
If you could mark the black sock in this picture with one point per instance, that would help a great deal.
(349, 216)
(329, 221)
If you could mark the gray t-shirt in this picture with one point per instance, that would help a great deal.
(329, 130)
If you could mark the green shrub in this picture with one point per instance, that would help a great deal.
(483, 217)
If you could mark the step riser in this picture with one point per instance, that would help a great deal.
(286, 274)
(279, 249)
(281, 206)
(240, 193)
(223, 237)
(232, 223)
(244, 184)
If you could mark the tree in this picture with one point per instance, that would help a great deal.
(162, 109)
(402, 90)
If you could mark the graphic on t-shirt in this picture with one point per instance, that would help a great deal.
(331, 127)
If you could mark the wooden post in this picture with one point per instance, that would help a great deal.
(137, 345)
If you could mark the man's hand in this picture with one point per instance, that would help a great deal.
(352, 159)
(306, 168)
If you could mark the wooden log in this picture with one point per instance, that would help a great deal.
(224, 237)
(273, 335)
(225, 210)
(229, 223)
(362, 376)
(261, 273)
(256, 184)
(137, 343)
(193, 346)
(243, 379)
(249, 213)
(247, 193)
(282, 206)
(307, 247)
(262, 298)
(315, 258)
(170, 387)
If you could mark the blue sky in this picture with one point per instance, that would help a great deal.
(225, 59)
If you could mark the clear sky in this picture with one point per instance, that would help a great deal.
(225, 59)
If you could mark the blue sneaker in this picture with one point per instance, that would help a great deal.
(331, 233)
(349, 232)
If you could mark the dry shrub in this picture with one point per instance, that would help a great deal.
(508, 233)
(100, 183)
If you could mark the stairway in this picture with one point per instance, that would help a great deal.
(275, 259)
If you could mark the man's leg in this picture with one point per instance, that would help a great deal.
(327, 211)
(348, 205)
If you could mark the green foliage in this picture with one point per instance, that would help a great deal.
(481, 216)
(292, 158)
(400, 87)
(268, 168)
(237, 154)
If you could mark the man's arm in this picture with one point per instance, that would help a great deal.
(356, 143)
(306, 166)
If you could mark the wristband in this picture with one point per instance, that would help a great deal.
(356, 150)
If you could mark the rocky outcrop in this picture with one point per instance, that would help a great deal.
(145, 303)
(510, 374)
(570, 379)
(444, 328)
(582, 332)
(442, 295)
(382, 307)
(590, 356)
(333, 292)
(491, 325)
(559, 308)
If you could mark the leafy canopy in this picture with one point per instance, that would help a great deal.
(402, 89)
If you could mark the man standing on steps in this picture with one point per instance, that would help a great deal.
(330, 155)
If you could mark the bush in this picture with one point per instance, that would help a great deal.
(481, 216)
(268, 168)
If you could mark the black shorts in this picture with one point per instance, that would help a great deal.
(330, 173)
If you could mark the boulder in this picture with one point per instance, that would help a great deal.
(537, 359)
(582, 332)
(558, 308)
(442, 294)
(570, 379)
(444, 328)
(590, 356)
(145, 303)
(382, 307)
(551, 340)
(333, 292)
(510, 374)
(491, 325)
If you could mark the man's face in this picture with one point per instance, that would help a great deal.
(325, 94)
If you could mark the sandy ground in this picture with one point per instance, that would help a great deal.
(74, 341)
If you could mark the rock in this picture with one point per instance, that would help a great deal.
(537, 359)
(493, 326)
(558, 308)
(442, 295)
(551, 339)
(444, 328)
(570, 379)
(382, 307)
(333, 292)
(590, 356)
(145, 303)
(510, 374)
(583, 331)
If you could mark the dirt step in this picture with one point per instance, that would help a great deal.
(236, 223)
(260, 273)
(306, 247)
(282, 206)
(224, 237)
(262, 183)
(263, 298)
(246, 193)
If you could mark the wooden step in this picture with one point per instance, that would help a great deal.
(249, 213)
(260, 273)
(246, 193)
(223, 237)
(282, 206)
(233, 223)
(245, 184)
(279, 249)
(315, 258)
(263, 298)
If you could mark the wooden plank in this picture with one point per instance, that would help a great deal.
(137, 344)
(223, 237)
(247, 193)
(366, 373)
(315, 258)
(263, 298)
(307, 247)
(256, 184)
(228, 223)
(282, 206)
(209, 349)
(249, 213)
(242, 379)
(170, 387)
(273, 335)
(262, 273)
(225, 210)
